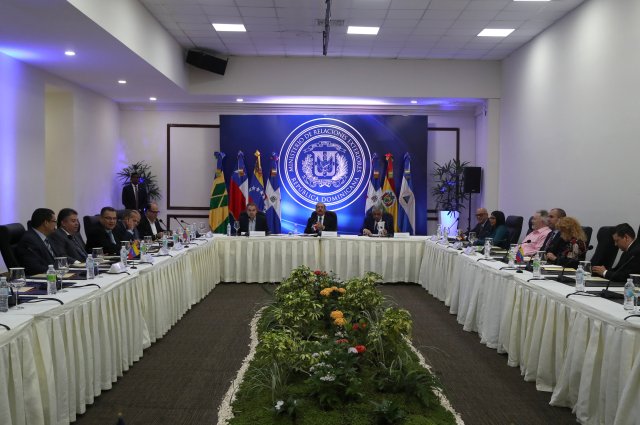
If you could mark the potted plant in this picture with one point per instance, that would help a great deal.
(448, 193)
(146, 177)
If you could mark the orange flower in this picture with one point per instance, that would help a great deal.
(340, 321)
(326, 292)
(336, 314)
(341, 290)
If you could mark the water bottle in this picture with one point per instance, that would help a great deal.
(580, 279)
(439, 231)
(512, 256)
(143, 248)
(89, 265)
(629, 296)
(537, 274)
(487, 247)
(124, 254)
(228, 229)
(4, 295)
(51, 280)
(165, 243)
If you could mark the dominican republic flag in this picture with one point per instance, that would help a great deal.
(374, 190)
(272, 201)
(219, 201)
(238, 189)
(256, 188)
(389, 199)
(407, 211)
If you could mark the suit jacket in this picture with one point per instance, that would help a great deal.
(330, 222)
(144, 228)
(370, 223)
(554, 244)
(129, 200)
(629, 263)
(71, 245)
(33, 254)
(122, 234)
(98, 238)
(482, 231)
(261, 222)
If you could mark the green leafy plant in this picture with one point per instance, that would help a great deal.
(447, 189)
(388, 412)
(146, 177)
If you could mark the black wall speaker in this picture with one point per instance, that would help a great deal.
(472, 177)
(204, 60)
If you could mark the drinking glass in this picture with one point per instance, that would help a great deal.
(472, 238)
(202, 227)
(148, 240)
(127, 245)
(62, 267)
(586, 266)
(17, 280)
(380, 228)
(236, 226)
(98, 258)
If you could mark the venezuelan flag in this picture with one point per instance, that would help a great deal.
(134, 251)
(520, 255)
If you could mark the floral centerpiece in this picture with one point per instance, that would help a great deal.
(334, 352)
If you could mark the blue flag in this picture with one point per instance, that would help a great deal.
(407, 200)
(374, 190)
(272, 201)
(256, 187)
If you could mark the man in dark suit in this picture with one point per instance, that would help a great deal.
(624, 237)
(376, 218)
(134, 195)
(253, 220)
(483, 227)
(321, 219)
(553, 244)
(127, 229)
(149, 223)
(102, 235)
(67, 236)
(35, 251)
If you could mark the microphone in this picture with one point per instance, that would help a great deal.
(184, 222)
(178, 222)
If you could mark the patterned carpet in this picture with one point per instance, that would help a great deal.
(183, 377)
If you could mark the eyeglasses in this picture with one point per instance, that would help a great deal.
(155, 212)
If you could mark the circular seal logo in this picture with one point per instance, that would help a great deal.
(325, 160)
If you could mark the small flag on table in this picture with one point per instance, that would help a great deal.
(134, 251)
(520, 255)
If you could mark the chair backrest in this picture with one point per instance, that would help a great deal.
(90, 221)
(606, 251)
(588, 231)
(514, 227)
(10, 235)
(530, 223)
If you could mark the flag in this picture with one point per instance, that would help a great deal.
(256, 188)
(374, 190)
(219, 203)
(238, 189)
(407, 200)
(520, 255)
(134, 251)
(389, 192)
(272, 201)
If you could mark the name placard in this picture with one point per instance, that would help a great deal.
(257, 234)
(402, 235)
(329, 234)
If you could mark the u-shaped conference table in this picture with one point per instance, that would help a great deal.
(57, 358)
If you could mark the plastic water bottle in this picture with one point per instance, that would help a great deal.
(512, 257)
(165, 243)
(89, 265)
(580, 279)
(228, 229)
(629, 296)
(487, 247)
(537, 274)
(4, 295)
(51, 281)
(124, 254)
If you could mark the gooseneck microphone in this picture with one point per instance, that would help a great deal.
(178, 221)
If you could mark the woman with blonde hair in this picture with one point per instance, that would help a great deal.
(575, 243)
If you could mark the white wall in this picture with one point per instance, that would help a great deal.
(570, 127)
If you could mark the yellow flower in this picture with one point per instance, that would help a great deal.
(336, 314)
(341, 290)
(326, 292)
(340, 321)
(334, 288)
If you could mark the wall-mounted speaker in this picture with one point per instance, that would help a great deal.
(206, 61)
(472, 179)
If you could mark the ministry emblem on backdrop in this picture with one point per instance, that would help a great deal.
(325, 160)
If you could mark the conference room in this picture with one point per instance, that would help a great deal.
(546, 112)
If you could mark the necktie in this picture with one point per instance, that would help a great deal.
(135, 194)
(111, 238)
(48, 245)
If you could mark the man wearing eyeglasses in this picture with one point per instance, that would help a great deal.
(150, 225)
(483, 228)
(35, 251)
(102, 236)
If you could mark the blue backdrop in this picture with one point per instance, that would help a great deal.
(327, 158)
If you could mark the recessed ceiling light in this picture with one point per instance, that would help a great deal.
(122, 81)
(363, 30)
(153, 99)
(230, 27)
(70, 53)
(239, 99)
(496, 32)
(414, 101)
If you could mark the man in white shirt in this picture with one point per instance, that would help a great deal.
(535, 239)
(149, 224)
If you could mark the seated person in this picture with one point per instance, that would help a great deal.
(624, 237)
(149, 224)
(321, 219)
(573, 247)
(126, 230)
(253, 220)
(499, 232)
(553, 242)
(535, 239)
(483, 228)
(35, 252)
(101, 236)
(372, 220)
(67, 236)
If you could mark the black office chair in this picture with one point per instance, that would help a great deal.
(606, 250)
(514, 227)
(530, 222)
(10, 235)
(588, 231)
(90, 222)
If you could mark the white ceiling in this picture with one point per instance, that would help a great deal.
(36, 31)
